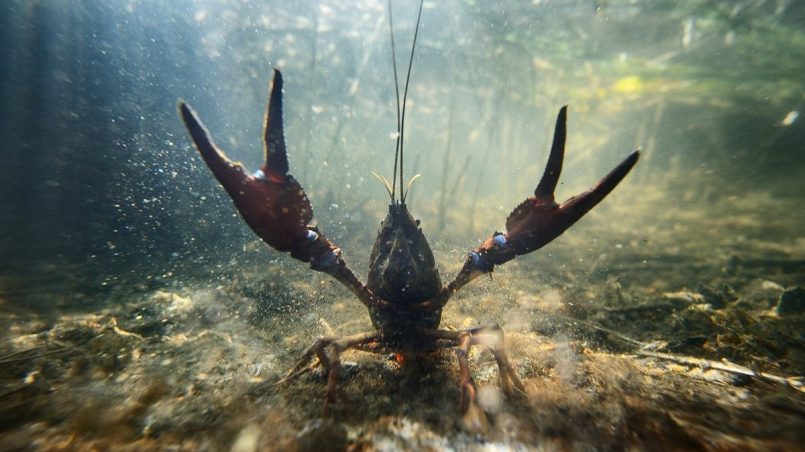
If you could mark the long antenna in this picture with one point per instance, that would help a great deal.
(396, 90)
(405, 97)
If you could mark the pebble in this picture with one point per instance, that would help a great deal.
(792, 301)
(322, 434)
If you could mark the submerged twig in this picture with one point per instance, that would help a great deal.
(448, 196)
(619, 335)
(726, 366)
(29, 354)
(491, 143)
(448, 150)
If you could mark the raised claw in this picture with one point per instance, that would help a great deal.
(539, 219)
(271, 201)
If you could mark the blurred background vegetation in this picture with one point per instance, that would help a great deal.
(101, 189)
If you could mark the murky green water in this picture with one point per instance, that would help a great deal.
(140, 311)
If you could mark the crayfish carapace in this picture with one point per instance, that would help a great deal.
(404, 293)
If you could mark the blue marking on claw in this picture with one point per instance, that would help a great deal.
(500, 240)
(259, 174)
(312, 236)
(480, 263)
(328, 260)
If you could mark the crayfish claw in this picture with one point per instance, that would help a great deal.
(539, 219)
(575, 207)
(230, 174)
(276, 156)
(271, 201)
(547, 185)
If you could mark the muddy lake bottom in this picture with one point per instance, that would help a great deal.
(662, 343)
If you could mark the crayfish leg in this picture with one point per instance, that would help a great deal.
(492, 338)
(328, 351)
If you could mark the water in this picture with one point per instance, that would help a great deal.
(138, 309)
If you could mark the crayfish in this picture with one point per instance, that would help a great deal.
(404, 292)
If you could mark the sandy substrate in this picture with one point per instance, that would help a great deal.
(667, 343)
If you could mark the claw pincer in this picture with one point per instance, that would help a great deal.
(539, 219)
(271, 201)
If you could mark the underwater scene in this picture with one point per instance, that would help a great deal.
(373, 225)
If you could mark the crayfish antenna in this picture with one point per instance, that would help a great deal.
(405, 97)
(397, 92)
(410, 183)
(398, 151)
(386, 183)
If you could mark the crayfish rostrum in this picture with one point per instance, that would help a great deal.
(404, 292)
